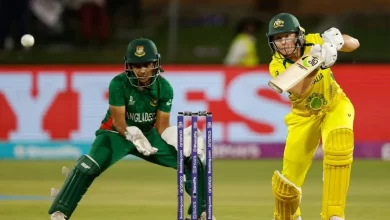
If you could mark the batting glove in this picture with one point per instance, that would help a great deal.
(327, 52)
(333, 36)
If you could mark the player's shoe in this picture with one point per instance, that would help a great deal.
(53, 193)
(202, 217)
(57, 216)
(336, 218)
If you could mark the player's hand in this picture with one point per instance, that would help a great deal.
(333, 36)
(170, 136)
(142, 144)
(327, 52)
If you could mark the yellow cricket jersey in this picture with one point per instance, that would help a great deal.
(322, 92)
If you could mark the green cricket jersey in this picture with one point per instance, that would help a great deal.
(141, 105)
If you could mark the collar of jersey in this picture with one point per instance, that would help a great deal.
(151, 87)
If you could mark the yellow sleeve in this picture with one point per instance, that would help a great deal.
(276, 68)
(314, 39)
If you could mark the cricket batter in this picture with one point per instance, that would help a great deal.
(137, 123)
(320, 110)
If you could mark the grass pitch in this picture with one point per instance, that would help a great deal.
(143, 191)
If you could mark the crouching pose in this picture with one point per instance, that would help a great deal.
(136, 123)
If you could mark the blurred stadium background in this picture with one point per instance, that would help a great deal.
(53, 97)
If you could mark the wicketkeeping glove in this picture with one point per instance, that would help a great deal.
(142, 144)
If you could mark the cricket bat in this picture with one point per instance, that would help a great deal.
(295, 73)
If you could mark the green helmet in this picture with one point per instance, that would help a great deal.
(284, 23)
(142, 51)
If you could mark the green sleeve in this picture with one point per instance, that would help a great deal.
(165, 102)
(116, 95)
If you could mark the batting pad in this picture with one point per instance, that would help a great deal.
(287, 197)
(338, 157)
(75, 186)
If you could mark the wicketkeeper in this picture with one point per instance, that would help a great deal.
(137, 123)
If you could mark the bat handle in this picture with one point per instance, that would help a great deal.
(275, 87)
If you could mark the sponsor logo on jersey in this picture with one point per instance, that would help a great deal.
(131, 101)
